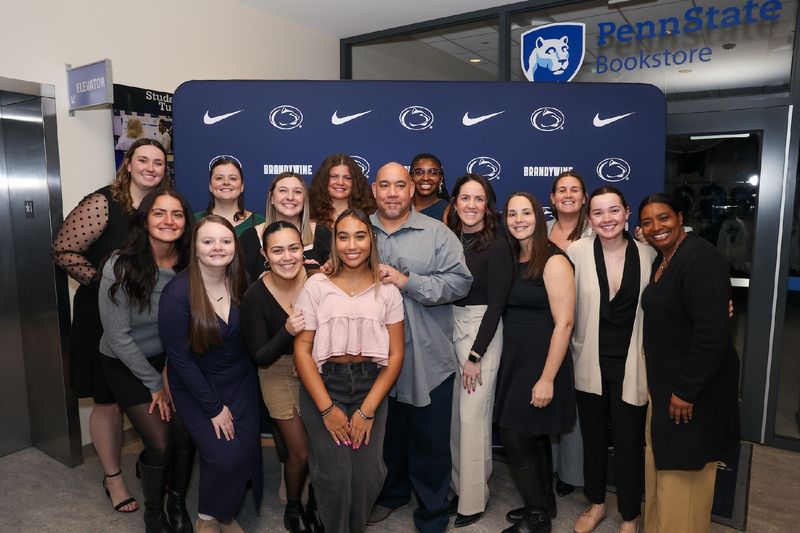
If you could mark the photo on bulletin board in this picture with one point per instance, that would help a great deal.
(139, 113)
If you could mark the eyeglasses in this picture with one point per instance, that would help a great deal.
(428, 171)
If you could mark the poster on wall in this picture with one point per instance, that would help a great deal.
(519, 135)
(142, 113)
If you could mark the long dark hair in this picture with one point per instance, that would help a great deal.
(204, 332)
(442, 192)
(540, 244)
(225, 160)
(578, 230)
(136, 271)
(360, 193)
(487, 233)
(373, 262)
(121, 188)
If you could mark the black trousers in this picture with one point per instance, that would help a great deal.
(416, 450)
(627, 436)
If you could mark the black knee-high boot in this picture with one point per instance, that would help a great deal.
(313, 519)
(180, 473)
(154, 483)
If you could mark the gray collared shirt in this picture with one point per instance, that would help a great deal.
(433, 259)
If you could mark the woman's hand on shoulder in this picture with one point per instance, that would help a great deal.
(295, 323)
(223, 424)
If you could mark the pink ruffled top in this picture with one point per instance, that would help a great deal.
(349, 325)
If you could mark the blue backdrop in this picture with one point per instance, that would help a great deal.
(520, 135)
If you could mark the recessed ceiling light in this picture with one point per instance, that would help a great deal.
(729, 46)
(685, 70)
(474, 60)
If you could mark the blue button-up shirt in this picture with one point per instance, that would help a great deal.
(432, 257)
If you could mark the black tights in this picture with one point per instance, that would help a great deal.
(159, 437)
(295, 464)
(529, 461)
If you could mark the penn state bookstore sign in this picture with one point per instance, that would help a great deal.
(519, 135)
(555, 52)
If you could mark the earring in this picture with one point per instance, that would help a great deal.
(441, 186)
(266, 264)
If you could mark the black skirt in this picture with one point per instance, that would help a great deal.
(127, 388)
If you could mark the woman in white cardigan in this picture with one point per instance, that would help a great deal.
(611, 271)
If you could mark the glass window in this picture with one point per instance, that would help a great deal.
(688, 48)
(787, 415)
(466, 52)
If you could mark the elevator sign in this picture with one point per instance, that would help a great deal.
(90, 85)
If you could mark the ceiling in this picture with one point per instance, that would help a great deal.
(754, 55)
(348, 18)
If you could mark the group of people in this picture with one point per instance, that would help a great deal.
(385, 329)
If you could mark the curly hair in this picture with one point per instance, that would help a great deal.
(320, 200)
(121, 188)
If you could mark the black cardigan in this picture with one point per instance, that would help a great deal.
(689, 352)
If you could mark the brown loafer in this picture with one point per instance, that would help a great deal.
(588, 520)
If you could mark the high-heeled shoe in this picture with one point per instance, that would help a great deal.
(120, 506)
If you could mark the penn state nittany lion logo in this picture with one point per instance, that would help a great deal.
(553, 52)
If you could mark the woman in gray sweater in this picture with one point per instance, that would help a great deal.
(133, 358)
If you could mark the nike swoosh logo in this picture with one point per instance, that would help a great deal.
(208, 119)
(600, 122)
(336, 120)
(471, 121)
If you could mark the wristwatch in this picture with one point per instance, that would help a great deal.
(474, 357)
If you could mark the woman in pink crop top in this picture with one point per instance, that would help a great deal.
(348, 358)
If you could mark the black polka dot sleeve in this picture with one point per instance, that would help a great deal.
(82, 227)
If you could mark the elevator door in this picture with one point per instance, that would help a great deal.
(39, 408)
(727, 170)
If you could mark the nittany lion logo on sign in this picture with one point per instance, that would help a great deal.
(613, 169)
(486, 166)
(362, 163)
(416, 118)
(553, 52)
(286, 117)
(547, 119)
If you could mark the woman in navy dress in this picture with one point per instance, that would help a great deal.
(214, 384)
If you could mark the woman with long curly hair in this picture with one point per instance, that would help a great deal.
(338, 185)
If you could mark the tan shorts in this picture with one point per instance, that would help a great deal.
(281, 390)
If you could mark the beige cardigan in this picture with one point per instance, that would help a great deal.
(586, 332)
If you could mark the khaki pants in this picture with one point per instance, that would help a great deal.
(471, 422)
(676, 501)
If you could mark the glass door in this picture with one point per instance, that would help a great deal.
(727, 170)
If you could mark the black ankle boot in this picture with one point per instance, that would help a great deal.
(545, 451)
(312, 516)
(154, 482)
(180, 472)
(294, 519)
(533, 521)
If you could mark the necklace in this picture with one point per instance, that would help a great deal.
(667, 260)
(469, 240)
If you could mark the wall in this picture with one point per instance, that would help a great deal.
(152, 44)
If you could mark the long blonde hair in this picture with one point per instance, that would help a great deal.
(306, 234)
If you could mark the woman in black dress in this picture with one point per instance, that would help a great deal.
(535, 392)
(91, 231)
(133, 357)
(270, 323)
(213, 381)
(692, 372)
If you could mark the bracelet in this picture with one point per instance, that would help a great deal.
(362, 415)
(326, 412)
